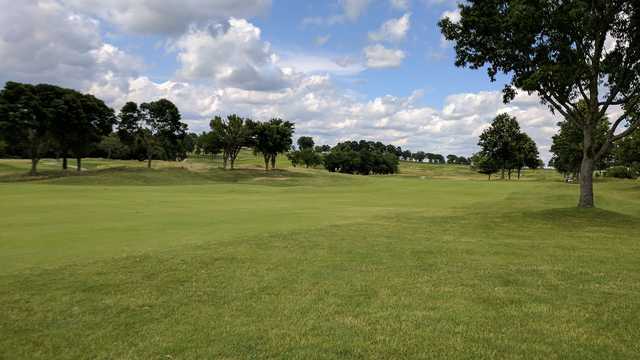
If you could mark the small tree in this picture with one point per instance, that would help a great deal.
(419, 156)
(485, 164)
(305, 142)
(527, 154)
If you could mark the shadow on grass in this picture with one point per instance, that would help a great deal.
(577, 217)
(128, 176)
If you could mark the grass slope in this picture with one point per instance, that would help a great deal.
(122, 262)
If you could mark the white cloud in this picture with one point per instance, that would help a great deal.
(402, 5)
(315, 64)
(351, 11)
(380, 57)
(393, 30)
(167, 16)
(231, 54)
(453, 15)
(44, 42)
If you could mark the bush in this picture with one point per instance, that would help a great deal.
(622, 172)
(364, 158)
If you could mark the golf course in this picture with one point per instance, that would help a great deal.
(185, 260)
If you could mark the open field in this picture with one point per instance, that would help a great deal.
(189, 261)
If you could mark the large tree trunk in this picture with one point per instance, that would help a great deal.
(273, 161)
(586, 183)
(34, 167)
(79, 163)
(64, 162)
(586, 169)
(266, 162)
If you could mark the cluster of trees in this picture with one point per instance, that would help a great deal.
(228, 136)
(153, 130)
(308, 154)
(38, 119)
(622, 159)
(362, 157)
(41, 120)
(566, 52)
(421, 156)
(505, 148)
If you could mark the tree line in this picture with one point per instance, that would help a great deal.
(41, 120)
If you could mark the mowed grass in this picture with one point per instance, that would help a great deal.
(188, 261)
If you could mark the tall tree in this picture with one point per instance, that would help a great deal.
(231, 134)
(499, 141)
(527, 154)
(96, 121)
(156, 126)
(565, 52)
(26, 120)
(275, 137)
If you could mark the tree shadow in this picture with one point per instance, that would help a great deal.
(577, 217)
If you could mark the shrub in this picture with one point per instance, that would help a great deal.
(622, 172)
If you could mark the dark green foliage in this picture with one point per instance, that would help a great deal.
(567, 147)
(419, 156)
(363, 157)
(308, 154)
(322, 148)
(305, 142)
(25, 120)
(623, 172)
(230, 135)
(507, 147)
(155, 127)
(111, 147)
(274, 137)
(485, 164)
(627, 151)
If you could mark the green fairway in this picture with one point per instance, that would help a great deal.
(188, 261)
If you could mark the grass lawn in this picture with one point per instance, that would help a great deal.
(188, 261)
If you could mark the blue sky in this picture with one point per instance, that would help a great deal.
(340, 69)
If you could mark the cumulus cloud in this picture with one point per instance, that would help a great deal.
(453, 15)
(167, 16)
(393, 30)
(379, 57)
(36, 45)
(232, 54)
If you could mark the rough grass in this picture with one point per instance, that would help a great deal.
(188, 261)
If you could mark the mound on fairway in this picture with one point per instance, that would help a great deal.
(185, 262)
